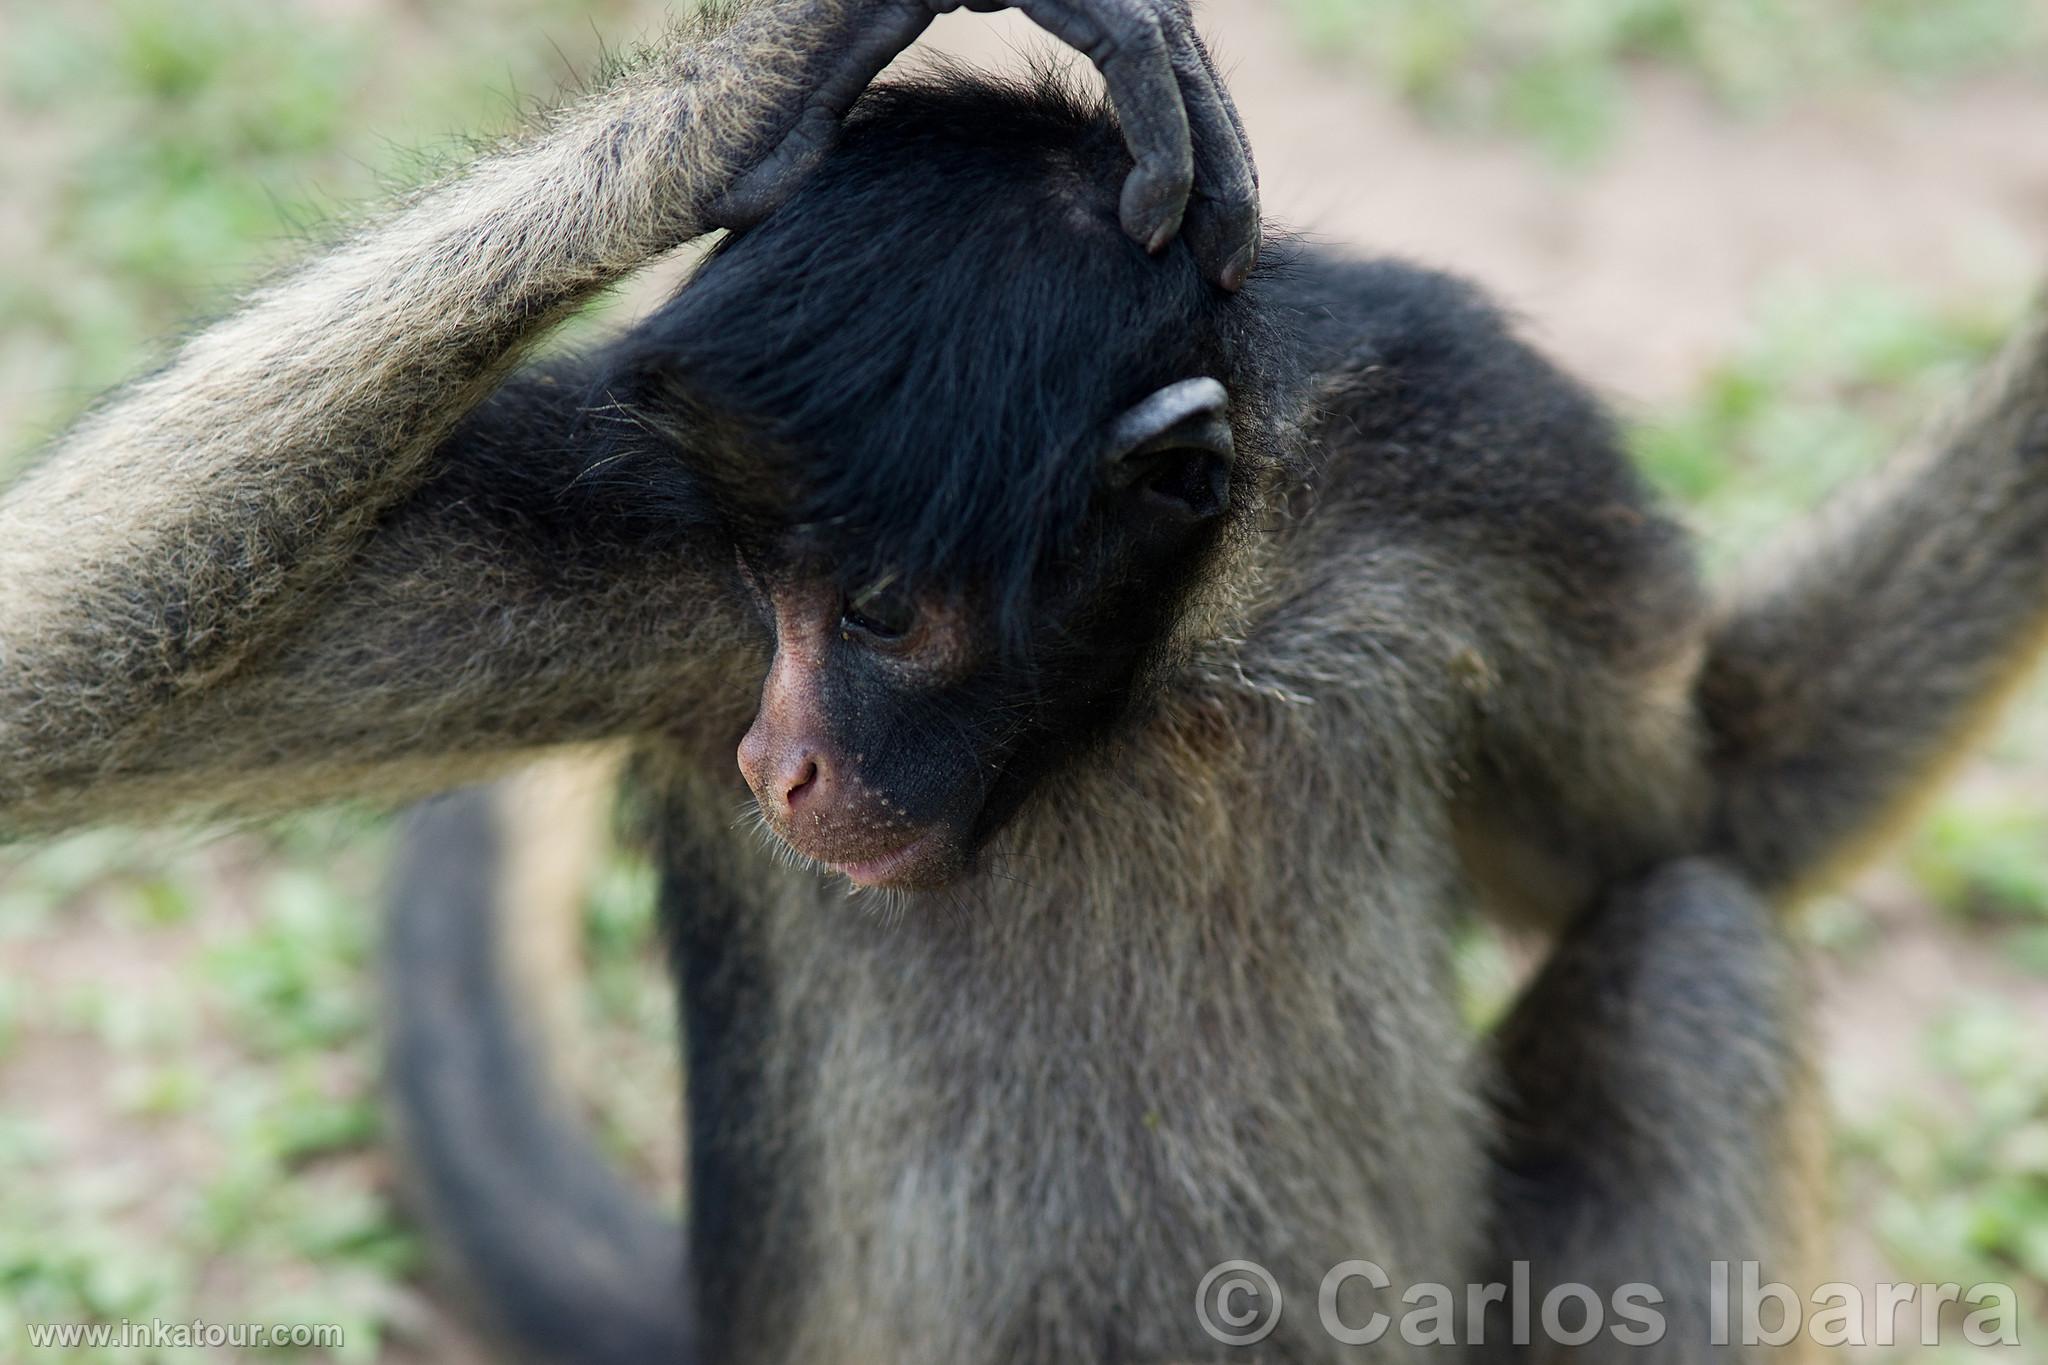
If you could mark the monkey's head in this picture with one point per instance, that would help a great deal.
(977, 453)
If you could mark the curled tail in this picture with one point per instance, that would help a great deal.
(572, 1265)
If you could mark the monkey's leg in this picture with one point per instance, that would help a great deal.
(1839, 684)
(1651, 1117)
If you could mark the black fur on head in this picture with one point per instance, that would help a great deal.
(913, 360)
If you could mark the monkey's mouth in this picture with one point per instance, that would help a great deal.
(925, 861)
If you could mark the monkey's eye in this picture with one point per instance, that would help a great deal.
(879, 613)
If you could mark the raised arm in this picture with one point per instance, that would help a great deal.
(235, 582)
(1842, 679)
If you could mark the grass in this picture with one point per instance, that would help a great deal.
(1961, 1175)
(1558, 71)
(1833, 380)
(179, 150)
(1979, 857)
(229, 1041)
(249, 1024)
(195, 1020)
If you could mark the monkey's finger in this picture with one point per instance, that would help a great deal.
(1182, 12)
(1127, 43)
(1222, 224)
(1230, 105)
(814, 124)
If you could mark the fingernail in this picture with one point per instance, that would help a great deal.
(1161, 235)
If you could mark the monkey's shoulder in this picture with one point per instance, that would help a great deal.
(1401, 351)
(1427, 409)
(1425, 374)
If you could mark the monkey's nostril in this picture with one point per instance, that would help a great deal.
(802, 783)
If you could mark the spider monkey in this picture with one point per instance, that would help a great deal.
(1166, 641)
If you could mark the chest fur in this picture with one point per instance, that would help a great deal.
(1022, 1126)
(1036, 1150)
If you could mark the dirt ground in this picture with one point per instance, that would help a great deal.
(1638, 271)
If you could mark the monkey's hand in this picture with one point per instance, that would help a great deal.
(1194, 171)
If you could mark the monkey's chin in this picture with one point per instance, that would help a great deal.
(924, 862)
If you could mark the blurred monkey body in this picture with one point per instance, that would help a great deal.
(1167, 645)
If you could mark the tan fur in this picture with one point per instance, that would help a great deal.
(1904, 806)
(557, 818)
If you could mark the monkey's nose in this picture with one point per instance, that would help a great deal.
(786, 777)
(803, 783)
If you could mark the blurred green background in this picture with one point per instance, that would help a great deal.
(187, 1080)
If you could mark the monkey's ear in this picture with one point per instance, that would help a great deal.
(1174, 450)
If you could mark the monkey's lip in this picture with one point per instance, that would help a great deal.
(889, 868)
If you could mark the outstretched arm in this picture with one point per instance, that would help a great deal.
(176, 534)
(1839, 685)
(514, 598)
(236, 566)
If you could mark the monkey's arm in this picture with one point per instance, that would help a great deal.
(203, 553)
(188, 555)
(513, 599)
(1838, 686)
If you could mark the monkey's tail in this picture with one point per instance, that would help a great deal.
(566, 1260)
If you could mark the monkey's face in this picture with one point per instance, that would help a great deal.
(901, 725)
(842, 755)
(922, 415)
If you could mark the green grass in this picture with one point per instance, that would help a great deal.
(1832, 381)
(179, 151)
(246, 1040)
(256, 1033)
(1982, 858)
(1557, 70)
(1963, 1172)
